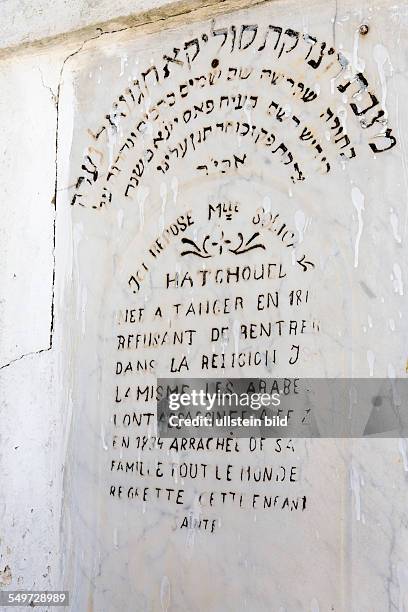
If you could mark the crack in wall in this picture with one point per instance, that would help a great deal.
(56, 100)
(29, 354)
(53, 95)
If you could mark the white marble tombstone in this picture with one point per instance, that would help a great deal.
(230, 173)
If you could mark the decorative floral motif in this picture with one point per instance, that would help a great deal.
(212, 247)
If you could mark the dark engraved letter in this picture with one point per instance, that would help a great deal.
(358, 112)
(274, 29)
(188, 44)
(293, 35)
(171, 59)
(248, 28)
(145, 74)
(220, 32)
(316, 63)
(393, 142)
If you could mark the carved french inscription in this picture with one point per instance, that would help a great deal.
(210, 242)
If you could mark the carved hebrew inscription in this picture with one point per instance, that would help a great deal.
(258, 87)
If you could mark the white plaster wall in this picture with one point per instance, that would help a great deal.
(30, 446)
(32, 423)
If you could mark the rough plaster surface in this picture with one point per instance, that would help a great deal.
(25, 22)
